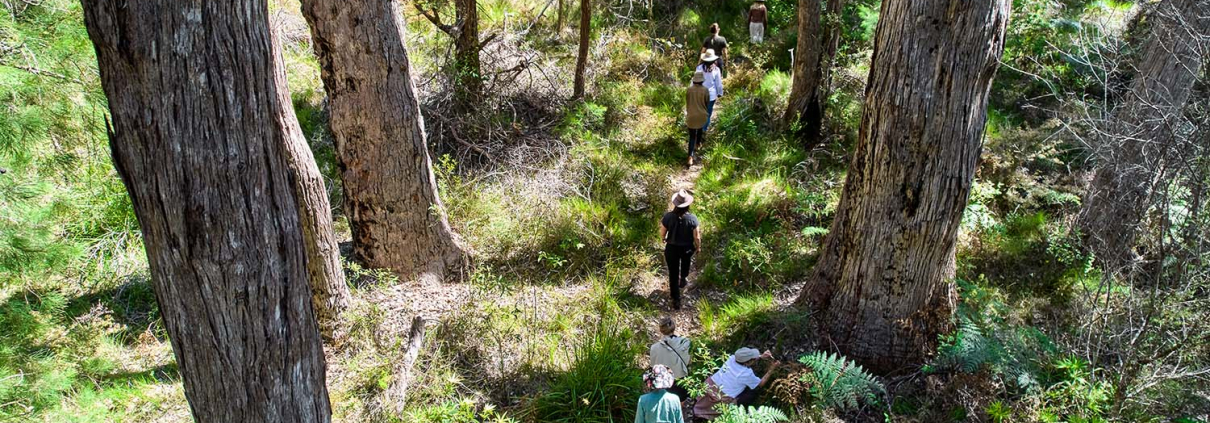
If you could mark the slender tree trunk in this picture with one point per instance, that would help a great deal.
(582, 58)
(1140, 135)
(818, 41)
(466, 45)
(883, 287)
(390, 190)
(561, 20)
(201, 118)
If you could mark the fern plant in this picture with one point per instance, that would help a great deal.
(839, 382)
(738, 414)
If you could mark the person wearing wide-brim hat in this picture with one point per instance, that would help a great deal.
(713, 82)
(682, 237)
(696, 99)
(659, 405)
(757, 15)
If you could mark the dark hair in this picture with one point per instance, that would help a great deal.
(680, 211)
(714, 28)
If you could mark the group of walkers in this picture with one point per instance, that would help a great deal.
(734, 382)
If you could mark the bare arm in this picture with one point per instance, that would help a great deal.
(663, 232)
(697, 239)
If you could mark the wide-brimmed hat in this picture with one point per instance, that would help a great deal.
(682, 199)
(699, 76)
(709, 55)
(745, 354)
(659, 377)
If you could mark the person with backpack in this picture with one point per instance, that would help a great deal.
(697, 98)
(757, 15)
(718, 44)
(672, 351)
(682, 238)
(713, 82)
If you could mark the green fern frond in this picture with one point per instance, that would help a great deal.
(841, 383)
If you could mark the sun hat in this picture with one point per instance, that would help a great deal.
(659, 377)
(699, 77)
(681, 199)
(709, 56)
(745, 354)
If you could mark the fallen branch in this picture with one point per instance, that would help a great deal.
(395, 395)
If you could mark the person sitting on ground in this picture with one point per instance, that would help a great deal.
(672, 351)
(696, 98)
(659, 405)
(734, 383)
(717, 43)
(714, 83)
(682, 238)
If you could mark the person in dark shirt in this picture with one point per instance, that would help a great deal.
(682, 238)
(718, 44)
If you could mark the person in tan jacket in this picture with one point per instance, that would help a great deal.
(696, 98)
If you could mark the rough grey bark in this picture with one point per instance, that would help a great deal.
(582, 57)
(818, 41)
(1139, 139)
(200, 120)
(882, 289)
(390, 190)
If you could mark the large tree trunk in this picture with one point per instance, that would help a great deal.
(582, 58)
(818, 41)
(390, 190)
(1140, 134)
(883, 287)
(201, 118)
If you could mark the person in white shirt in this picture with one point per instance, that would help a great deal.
(672, 352)
(714, 82)
(734, 383)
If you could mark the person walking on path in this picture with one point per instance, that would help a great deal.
(734, 382)
(682, 238)
(757, 15)
(697, 98)
(713, 82)
(672, 351)
(659, 405)
(718, 44)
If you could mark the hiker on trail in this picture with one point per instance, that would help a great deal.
(682, 238)
(718, 44)
(697, 98)
(757, 15)
(659, 405)
(672, 351)
(713, 82)
(734, 383)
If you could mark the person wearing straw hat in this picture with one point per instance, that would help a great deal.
(734, 382)
(682, 238)
(659, 405)
(713, 82)
(757, 15)
(696, 99)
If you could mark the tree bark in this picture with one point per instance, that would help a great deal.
(582, 58)
(818, 41)
(201, 118)
(560, 21)
(883, 287)
(390, 190)
(1140, 136)
(466, 46)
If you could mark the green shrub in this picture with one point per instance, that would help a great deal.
(464, 411)
(739, 414)
(839, 382)
(604, 382)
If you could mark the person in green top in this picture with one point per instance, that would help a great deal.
(659, 405)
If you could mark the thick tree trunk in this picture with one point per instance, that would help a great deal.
(1140, 135)
(390, 190)
(818, 41)
(329, 293)
(201, 118)
(582, 58)
(883, 287)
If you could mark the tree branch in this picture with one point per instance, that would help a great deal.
(435, 18)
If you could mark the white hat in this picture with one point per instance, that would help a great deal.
(745, 354)
(709, 56)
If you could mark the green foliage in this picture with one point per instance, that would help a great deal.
(1076, 396)
(740, 414)
(839, 382)
(732, 320)
(465, 411)
(604, 381)
(703, 365)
